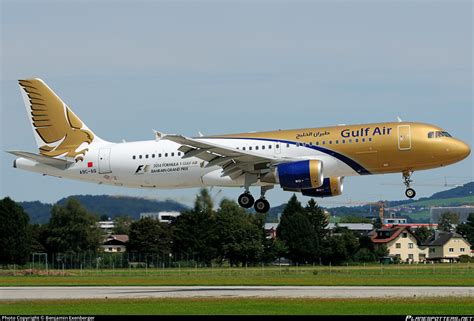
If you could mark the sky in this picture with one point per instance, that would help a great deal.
(126, 68)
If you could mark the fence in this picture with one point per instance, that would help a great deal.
(153, 264)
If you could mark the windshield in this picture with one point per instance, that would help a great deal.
(438, 134)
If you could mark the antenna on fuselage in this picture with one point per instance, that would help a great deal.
(399, 119)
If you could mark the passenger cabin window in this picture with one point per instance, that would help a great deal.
(134, 157)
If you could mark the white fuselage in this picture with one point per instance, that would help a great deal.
(159, 164)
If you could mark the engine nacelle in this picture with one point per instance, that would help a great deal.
(331, 186)
(306, 174)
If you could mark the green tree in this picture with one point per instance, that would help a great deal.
(381, 251)
(273, 249)
(377, 223)
(365, 255)
(14, 233)
(122, 224)
(447, 220)
(39, 236)
(467, 229)
(341, 246)
(319, 221)
(72, 229)
(194, 231)
(239, 233)
(423, 233)
(149, 237)
(297, 232)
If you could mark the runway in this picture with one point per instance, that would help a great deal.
(136, 292)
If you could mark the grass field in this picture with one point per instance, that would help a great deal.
(228, 306)
(417, 275)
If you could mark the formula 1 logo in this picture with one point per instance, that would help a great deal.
(142, 169)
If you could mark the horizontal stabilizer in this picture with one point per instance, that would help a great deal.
(54, 162)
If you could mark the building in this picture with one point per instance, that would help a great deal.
(361, 228)
(270, 230)
(400, 242)
(462, 211)
(106, 226)
(163, 217)
(447, 246)
(414, 226)
(115, 243)
(394, 220)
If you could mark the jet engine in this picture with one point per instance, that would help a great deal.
(299, 175)
(331, 186)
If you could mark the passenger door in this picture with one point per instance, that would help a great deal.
(104, 161)
(404, 137)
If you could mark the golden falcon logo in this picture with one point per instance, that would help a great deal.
(57, 126)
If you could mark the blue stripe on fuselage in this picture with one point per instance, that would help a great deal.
(346, 160)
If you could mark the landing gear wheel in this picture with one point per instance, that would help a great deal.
(410, 193)
(262, 205)
(246, 200)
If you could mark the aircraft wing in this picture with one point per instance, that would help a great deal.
(233, 161)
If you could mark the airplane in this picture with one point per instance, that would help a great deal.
(311, 161)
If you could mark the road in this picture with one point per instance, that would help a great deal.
(128, 292)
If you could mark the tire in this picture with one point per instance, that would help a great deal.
(246, 200)
(410, 193)
(262, 206)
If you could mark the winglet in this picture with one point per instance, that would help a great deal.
(158, 135)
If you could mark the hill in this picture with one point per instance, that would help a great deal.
(416, 210)
(109, 205)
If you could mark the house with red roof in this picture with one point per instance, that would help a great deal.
(401, 242)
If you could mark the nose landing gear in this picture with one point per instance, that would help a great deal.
(409, 192)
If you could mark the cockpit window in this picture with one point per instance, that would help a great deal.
(438, 134)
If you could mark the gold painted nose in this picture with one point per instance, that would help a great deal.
(462, 150)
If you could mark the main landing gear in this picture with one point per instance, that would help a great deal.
(261, 205)
(409, 192)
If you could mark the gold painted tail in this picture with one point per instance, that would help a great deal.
(58, 131)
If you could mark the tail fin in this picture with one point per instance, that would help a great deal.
(58, 131)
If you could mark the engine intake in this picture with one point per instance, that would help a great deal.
(303, 175)
(331, 186)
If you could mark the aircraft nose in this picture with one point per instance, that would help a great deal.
(462, 149)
